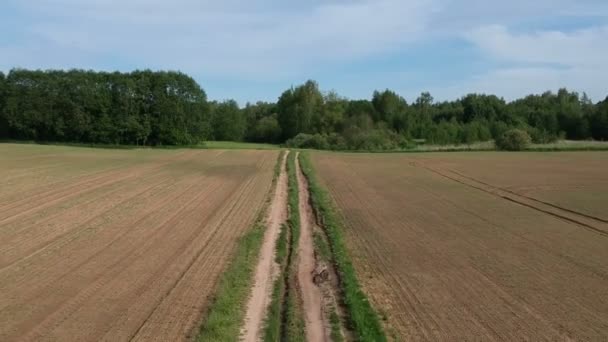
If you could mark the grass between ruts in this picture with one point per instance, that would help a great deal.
(225, 316)
(273, 321)
(362, 318)
(293, 318)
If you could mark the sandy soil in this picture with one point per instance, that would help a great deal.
(267, 269)
(312, 298)
(119, 245)
(451, 251)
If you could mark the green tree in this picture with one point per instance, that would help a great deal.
(3, 122)
(267, 129)
(228, 123)
(599, 121)
(297, 108)
(514, 140)
(389, 107)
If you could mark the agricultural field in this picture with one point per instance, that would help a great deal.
(477, 245)
(100, 244)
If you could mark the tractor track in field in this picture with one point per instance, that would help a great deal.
(587, 216)
(592, 223)
(448, 258)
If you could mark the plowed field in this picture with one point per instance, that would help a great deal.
(478, 246)
(119, 245)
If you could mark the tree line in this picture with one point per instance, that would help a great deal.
(138, 108)
(170, 108)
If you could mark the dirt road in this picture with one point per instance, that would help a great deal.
(266, 270)
(311, 294)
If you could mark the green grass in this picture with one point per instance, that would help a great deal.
(321, 247)
(219, 145)
(559, 146)
(334, 321)
(233, 145)
(571, 145)
(284, 321)
(273, 321)
(293, 314)
(362, 318)
(225, 315)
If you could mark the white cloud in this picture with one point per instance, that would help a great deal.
(276, 42)
(237, 39)
(582, 48)
(538, 61)
(516, 82)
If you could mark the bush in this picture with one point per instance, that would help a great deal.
(303, 140)
(542, 136)
(514, 140)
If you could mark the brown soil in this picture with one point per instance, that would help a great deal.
(119, 245)
(267, 268)
(447, 248)
(317, 323)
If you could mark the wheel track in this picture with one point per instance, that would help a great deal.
(591, 217)
(524, 201)
(400, 286)
(467, 291)
(267, 270)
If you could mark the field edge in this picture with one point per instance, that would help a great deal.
(223, 319)
(362, 318)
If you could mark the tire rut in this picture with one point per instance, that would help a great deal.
(588, 222)
(317, 323)
(267, 269)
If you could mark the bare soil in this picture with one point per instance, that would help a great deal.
(119, 245)
(267, 269)
(316, 321)
(472, 246)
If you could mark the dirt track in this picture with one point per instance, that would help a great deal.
(449, 247)
(118, 245)
(316, 324)
(267, 268)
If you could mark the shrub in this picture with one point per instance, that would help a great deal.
(303, 140)
(336, 142)
(514, 140)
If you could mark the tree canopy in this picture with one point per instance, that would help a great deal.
(170, 108)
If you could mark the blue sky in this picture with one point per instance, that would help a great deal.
(253, 50)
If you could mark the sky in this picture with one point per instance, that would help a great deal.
(252, 50)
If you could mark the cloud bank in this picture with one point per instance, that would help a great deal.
(249, 46)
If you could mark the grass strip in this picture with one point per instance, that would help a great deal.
(293, 317)
(273, 321)
(225, 316)
(362, 318)
(334, 320)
